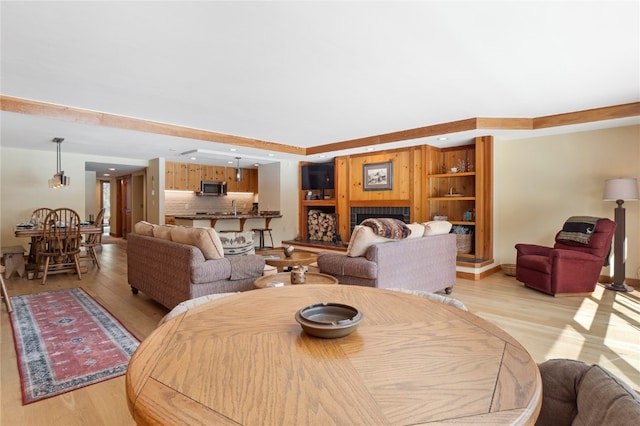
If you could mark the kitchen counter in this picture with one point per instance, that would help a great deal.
(210, 219)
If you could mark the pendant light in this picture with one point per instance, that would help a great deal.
(59, 180)
(238, 171)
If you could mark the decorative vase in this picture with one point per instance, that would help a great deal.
(288, 250)
(297, 275)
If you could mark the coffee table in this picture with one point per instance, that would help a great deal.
(285, 278)
(297, 258)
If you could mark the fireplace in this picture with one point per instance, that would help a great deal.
(358, 214)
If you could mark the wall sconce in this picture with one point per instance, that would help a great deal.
(238, 171)
(619, 190)
(59, 180)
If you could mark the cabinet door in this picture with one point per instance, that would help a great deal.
(208, 172)
(230, 177)
(219, 173)
(252, 180)
(181, 173)
(169, 175)
(194, 177)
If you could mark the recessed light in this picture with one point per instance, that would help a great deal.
(192, 158)
(106, 174)
(443, 138)
(321, 155)
(271, 155)
(112, 168)
(369, 149)
(232, 149)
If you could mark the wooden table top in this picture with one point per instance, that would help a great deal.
(297, 258)
(243, 359)
(285, 277)
(37, 231)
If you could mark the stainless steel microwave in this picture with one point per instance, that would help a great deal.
(210, 187)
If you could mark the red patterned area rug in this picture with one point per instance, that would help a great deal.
(65, 340)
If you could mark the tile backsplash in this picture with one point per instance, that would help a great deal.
(178, 203)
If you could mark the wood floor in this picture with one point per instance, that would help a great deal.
(603, 328)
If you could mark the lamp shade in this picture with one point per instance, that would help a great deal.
(621, 189)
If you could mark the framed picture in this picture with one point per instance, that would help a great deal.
(378, 176)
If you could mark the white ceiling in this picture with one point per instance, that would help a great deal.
(306, 74)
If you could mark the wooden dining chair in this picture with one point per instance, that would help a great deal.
(91, 241)
(60, 247)
(38, 217)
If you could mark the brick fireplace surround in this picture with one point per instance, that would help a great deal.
(358, 214)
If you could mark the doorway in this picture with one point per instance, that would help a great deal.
(105, 203)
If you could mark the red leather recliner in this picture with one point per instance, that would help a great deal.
(569, 268)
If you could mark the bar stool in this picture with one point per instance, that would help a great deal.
(262, 232)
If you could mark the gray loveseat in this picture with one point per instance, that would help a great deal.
(171, 272)
(426, 263)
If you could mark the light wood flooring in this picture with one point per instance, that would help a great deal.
(603, 328)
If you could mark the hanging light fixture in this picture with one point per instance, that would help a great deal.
(59, 179)
(238, 171)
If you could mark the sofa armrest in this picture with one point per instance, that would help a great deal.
(532, 249)
(339, 264)
(248, 266)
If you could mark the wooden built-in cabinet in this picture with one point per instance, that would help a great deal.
(464, 196)
(249, 182)
(187, 177)
(423, 182)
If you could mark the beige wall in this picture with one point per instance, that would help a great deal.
(24, 185)
(540, 182)
(282, 196)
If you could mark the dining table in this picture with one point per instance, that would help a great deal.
(35, 233)
(245, 360)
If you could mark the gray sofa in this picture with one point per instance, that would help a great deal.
(171, 272)
(427, 263)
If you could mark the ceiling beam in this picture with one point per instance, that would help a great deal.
(25, 106)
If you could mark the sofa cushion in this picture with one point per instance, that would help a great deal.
(417, 230)
(604, 399)
(206, 239)
(144, 228)
(362, 238)
(163, 231)
(578, 393)
(437, 227)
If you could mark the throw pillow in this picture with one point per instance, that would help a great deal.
(163, 231)
(437, 227)
(205, 239)
(417, 230)
(362, 238)
(237, 243)
(144, 228)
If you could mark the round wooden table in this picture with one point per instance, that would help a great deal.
(243, 359)
(285, 278)
(297, 258)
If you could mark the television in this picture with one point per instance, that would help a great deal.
(317, 176)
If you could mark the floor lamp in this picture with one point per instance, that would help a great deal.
(620, 190)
